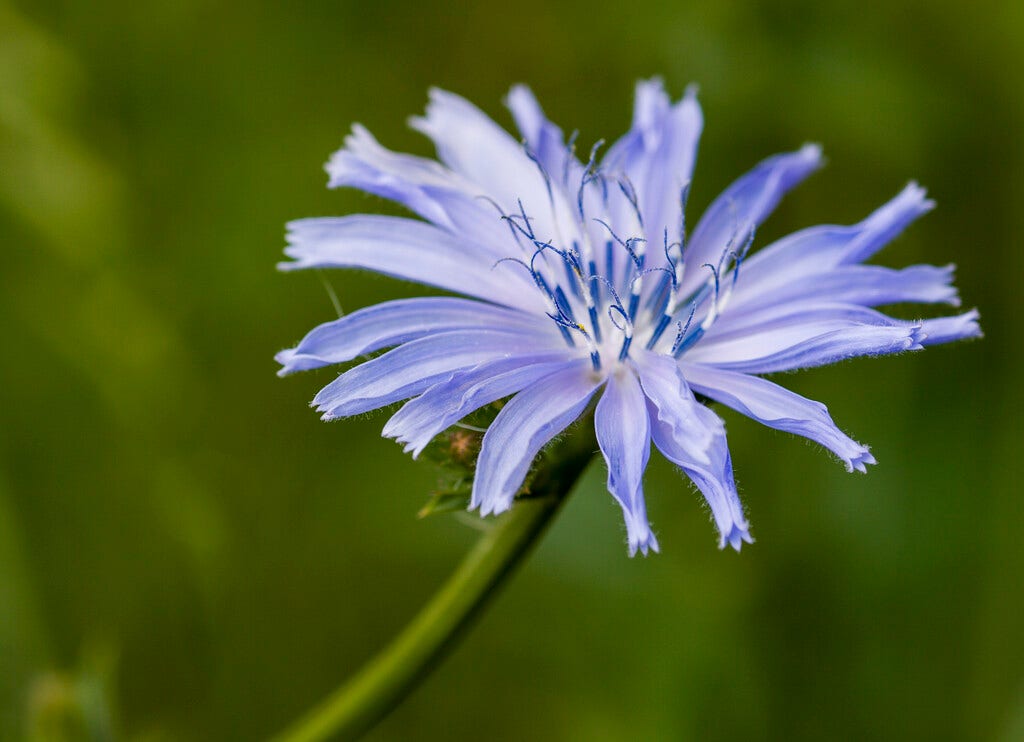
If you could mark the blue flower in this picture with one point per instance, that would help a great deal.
(578, 278)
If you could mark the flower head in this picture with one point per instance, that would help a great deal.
(578, 278)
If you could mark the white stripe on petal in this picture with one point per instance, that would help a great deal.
(394, 322)
(411, 250)
(693, 438)
(869, 285)
(815, 250)
(624, 434)
(804, 339)
(410, 369)
(473, 145)
(529, 420)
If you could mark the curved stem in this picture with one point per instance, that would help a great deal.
(382, 684)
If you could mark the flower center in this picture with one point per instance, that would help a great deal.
(609, 293)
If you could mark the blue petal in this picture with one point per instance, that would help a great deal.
(424, 186)
(815, 250)
(693, 438)
(544, 138)
(948, 329)
(410, 250)
(447, 402)
(392, 323)
(410, 369)
(869, 285)
(529, 420)
(798, 319)
(743, 206)
(879, 229)
(624, 434)
(663, 383)
(471, 144)
(805, 338)
(650, 104)
(670, 170)
(777, 408)
(658, 155)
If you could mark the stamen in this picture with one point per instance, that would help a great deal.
(574, 292)
(626, 328)
(625, 346)
(563, 327)
(609, 256)
(667, 294)
(683, 328)
(544, 173)
(563, 304)
(637, 248)
(611, 290)
(714, 274)
(634, 246)
(635, 289)
(590, 174)
(595, 354)
(526, 219)
(741, 256)
(626, 186)
(683, 342)
(516, 228)
(660, 297)
(570, 155)
(684, 197)
(659, 330)
(595, 322)
(552, 300)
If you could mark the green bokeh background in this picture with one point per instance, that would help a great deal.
(186, 552)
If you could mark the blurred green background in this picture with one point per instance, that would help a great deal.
(186, 552)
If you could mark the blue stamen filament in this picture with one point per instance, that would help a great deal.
(630, 193)
(636, 288)
(573, 293)
(570, 155)
(626, 328)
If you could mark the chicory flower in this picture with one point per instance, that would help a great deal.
(575, 278)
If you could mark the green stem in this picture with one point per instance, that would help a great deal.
(381, 685)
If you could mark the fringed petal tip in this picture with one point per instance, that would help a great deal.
(738, 535)
(914, 198)
(915, 338)
(639, 535)
(347, 161)
(490, 506)
(291, 265)
(287, 360)
(948, 329)
(410, 443)
(643, 543)
(812, 154)
(905, 206)
(886, 222)
(521, 98)
(949, 296)
(861, 461)
(296, 249)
